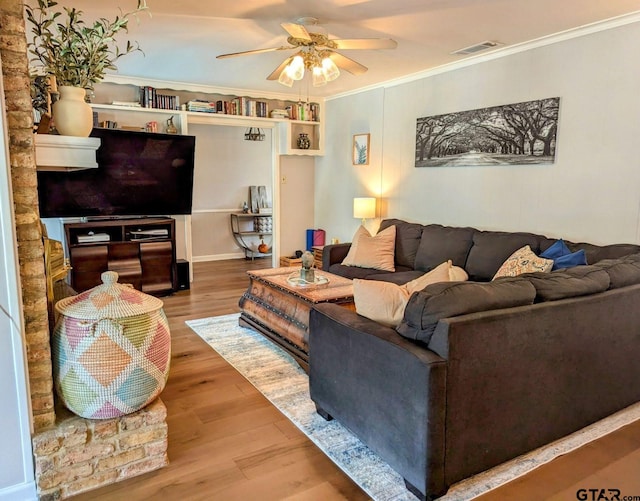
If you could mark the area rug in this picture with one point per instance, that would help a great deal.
(279, 378)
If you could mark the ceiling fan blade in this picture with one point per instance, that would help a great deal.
(347, 64)
(276, 73)
(248, 52)
(365, 43)
(296, 31)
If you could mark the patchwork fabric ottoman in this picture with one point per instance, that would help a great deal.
(111, 350)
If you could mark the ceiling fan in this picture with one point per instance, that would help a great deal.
(316, 53)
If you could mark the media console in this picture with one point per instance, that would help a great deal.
(142, 251)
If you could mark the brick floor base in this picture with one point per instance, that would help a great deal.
(79, 454)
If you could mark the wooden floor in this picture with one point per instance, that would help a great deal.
(227, 442)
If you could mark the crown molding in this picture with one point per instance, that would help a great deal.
(509, 50)
(207, 89)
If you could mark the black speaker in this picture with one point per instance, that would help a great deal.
(183, 274)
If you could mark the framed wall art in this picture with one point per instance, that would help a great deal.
(361, 149)
(512, 134)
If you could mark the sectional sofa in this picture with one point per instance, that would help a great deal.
(481, 371)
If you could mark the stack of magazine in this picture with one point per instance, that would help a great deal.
(201, 105)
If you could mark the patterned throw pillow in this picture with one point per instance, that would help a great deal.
(524, 260)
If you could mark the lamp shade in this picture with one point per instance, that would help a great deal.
(364, 207)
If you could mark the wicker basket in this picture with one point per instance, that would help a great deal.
(111, 350)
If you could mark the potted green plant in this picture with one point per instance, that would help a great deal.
(76, 53)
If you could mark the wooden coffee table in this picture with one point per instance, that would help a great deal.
(280, 310)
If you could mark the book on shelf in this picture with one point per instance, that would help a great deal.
(308, 112)
(150, 98)
(129, 104)
(201, 105)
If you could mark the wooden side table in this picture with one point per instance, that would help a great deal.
(317, 256)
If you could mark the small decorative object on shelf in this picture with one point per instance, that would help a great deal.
(171, 128)
(303, 141)
(245, 208)
(254, 134)
(263, 248)
(77, 54)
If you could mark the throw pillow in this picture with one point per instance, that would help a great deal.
(524, 260)
(440, 273)
(354, 243)
(372, 252)
(577, 258)
(563, 257)
(557, 249)
(457, 274)
(384, 302)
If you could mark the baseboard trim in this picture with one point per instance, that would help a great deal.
(218, 257)
(20, 492)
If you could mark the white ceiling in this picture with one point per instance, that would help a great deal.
(181, 38)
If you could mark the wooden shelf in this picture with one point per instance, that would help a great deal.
(243, 226)
(288, 130)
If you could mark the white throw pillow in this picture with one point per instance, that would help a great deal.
(372, 252)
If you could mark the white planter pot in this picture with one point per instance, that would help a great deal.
(71, 115)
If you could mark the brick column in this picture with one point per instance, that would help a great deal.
(15, 74)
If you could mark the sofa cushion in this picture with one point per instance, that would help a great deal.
(622, 272)
(407, 240)
(595, 253)
(524, 260)
(443, 300)
(399, 277)
(372, 251)
(440, 243)
(572, 282)
(384, 302)
(357, 272)
(491, 248)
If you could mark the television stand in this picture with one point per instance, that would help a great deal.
(142, 250)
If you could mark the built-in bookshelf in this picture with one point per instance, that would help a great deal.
(148, 108)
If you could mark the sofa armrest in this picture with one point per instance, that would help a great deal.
(334, 254)
(387, 390)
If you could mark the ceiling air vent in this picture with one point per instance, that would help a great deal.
(472, 49)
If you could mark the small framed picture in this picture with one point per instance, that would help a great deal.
(361, 149)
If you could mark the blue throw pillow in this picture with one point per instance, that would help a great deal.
(557, 249)
(563, 257)
(567, 261)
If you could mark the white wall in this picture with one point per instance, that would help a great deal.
(296, 202)
(226, 165)
(592, 191)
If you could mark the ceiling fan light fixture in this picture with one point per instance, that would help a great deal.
(331, 71)
(318, 76)
(285, 79)
(295, 69)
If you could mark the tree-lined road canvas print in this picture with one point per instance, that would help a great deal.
(521, 133)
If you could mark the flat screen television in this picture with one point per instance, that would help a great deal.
(138, 174)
